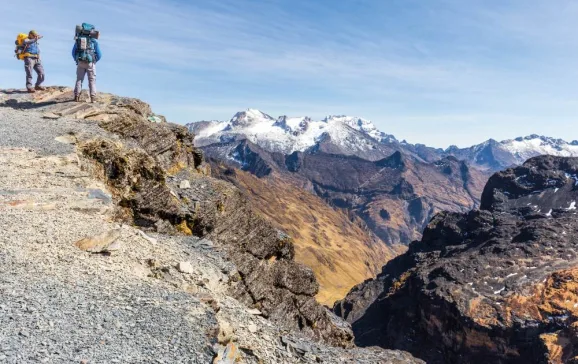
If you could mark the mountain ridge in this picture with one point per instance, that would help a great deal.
(358, 136)
(391, 188)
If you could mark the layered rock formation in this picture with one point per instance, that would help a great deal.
(493, 285)
(159, 181)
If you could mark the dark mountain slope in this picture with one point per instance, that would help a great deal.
(498, 285)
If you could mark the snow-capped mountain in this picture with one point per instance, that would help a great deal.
(337, 134)
(496, 155)
(524, 148)
(362, 125)
(350, 135)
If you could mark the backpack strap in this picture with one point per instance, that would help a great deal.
(24, 54)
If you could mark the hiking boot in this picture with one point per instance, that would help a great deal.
(31, 90)
(77, 98)
(40, 88)
(93, 99)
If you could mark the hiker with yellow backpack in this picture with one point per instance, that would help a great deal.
(27, 50)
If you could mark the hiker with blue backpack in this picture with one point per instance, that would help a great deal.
(86, 53)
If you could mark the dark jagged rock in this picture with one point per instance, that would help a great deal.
(497, 285)
(294, 161)
(540, 185)
(394, 161)
(251, 160)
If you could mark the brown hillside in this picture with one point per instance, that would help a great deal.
(340, 252)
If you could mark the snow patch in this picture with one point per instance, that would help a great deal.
(534, 145)
(574, 177)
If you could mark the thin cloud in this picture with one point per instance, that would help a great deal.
(416, 61)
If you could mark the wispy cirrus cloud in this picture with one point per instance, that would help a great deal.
(411, 66)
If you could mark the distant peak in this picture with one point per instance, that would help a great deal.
(250, 116)
(349, 120)
(294, 125)
(251, 111)
(363, 125)
(545, 139)
(396, 160)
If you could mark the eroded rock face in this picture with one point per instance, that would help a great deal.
(498, 285)
(144, 163)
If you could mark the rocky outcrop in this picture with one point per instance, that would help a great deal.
(145, 161)
(71, 275)
(269, 279)
(493, 285)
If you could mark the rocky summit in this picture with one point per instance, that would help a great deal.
(118, 246)
(495, 285)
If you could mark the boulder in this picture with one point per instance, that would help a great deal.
(101, 243)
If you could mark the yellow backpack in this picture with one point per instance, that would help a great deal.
(20, 51)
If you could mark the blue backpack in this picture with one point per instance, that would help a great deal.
(85, 33)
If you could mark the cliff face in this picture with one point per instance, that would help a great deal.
(491, 285)
(159, 181)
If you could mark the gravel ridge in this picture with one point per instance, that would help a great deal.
(152, 298)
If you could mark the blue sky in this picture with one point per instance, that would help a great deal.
(438, 72)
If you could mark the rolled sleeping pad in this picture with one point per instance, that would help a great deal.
(79, 30)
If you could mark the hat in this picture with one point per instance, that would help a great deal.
(33, 32)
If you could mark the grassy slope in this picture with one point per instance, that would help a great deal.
(341, 253)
